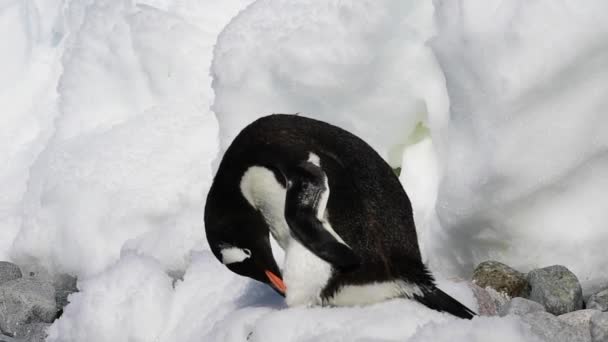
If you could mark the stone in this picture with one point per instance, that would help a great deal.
(500, 298)
(65, 285)
(551, 329)
(485, 302)
(598, 301)
(25, 301)
(34, 332)
(35, 271)
(520, 306)
(8, 272)
(580, 319)
(599, 327)
(501, 278)
(556, 288)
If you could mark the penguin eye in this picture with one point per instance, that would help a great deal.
(231, 254)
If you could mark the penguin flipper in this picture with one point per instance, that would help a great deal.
(438, 300)
(306, 198)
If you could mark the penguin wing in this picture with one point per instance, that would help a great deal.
(305, 204)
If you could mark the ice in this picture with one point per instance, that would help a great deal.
(495, 112)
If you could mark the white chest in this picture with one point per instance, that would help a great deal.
(304, 273)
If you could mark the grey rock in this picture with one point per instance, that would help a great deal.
(598, 301)
(35, 271)
(599, 327)
(4, 338)
(502, 278)
(34, 332)
(551, 329)
(500, 298)
(485, 302)
(593, 286)
(520, 306)
(556, 288)
(580, 319)
(65, 285)
(8, 272)
(25, 301)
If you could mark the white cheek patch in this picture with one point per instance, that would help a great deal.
(230, 255)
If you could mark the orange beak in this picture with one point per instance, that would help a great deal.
(276, 281)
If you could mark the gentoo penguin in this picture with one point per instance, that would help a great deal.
(334, 206)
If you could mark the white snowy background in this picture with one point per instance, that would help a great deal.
(113, 112)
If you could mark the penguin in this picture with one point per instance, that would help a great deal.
(332, 204)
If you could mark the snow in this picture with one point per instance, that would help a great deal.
(528, 156)
(372, 74)
(114, 112)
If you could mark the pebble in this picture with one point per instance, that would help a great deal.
(580, 319)
(520, 306)
(556, 288)
(502, 278)
(8, 272)
(551, 329)
(24, 301)
(64, 286)
(33, 332)
(485, 302)
(599, 327)
(598, 301)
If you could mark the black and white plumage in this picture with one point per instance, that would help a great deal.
(335, 207)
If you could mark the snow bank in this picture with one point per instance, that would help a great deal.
(127, 166)
(134, 300)
(360, 65)
(30, 68)
(525, 172)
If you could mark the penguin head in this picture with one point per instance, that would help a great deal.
(248, 255)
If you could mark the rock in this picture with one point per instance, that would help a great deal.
(35, 271)
(520, 306)
(551, 329)
(35, 332)
(599, 327)
(4, 338)
(25, 301)
(500, 298)
(556, 288)
(485, 302)
(8, 272)
(502, 278)
(65, 285)
(598, 301)
(580, 319)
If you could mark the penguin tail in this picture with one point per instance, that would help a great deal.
(438, 300)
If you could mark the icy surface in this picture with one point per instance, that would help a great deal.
(495, 112)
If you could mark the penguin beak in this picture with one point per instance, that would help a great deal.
(276, 281)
